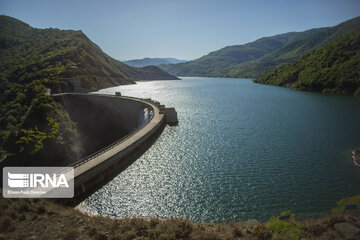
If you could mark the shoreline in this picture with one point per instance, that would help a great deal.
(356, 160)
(44, 219)
(356, 156)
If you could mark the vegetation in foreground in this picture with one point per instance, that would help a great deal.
(43, 219)
(333, 68)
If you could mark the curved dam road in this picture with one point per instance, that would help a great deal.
(97, 169)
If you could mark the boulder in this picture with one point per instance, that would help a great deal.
(347, 230)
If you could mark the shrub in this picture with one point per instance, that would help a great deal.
(183, 228)
(72, 234)
(284, 229)
(236, 230)
(262, 232)
(41, 210)
(355, 200)
(167, 236)
(6, 224)
(23, 208)
(100, 236)
(92, 231)
(154, 222)
(22, 217)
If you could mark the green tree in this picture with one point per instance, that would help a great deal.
(36, 138)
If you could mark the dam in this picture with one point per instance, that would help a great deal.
(125, 126)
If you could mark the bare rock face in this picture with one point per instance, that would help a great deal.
(347, 230)
(356, 156)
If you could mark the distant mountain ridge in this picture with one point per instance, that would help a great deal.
(152, 62)
(255, 58)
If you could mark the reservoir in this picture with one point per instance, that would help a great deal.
(241, 151)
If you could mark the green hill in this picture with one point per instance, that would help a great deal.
(32, 60)
(332, 68)
(50, 53)
(213, 63)
(253, 59)
(291, 51)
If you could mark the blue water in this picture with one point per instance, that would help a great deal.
(241, 151)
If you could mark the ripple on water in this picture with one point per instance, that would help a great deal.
(241, 151)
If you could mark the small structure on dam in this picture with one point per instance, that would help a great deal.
(171, 116)
(170, 113)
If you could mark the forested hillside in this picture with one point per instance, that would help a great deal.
(253, 59)
(332, 68)
(291, 51)
(32, 60)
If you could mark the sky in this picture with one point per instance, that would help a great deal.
(184, 29)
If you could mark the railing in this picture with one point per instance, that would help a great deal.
(111, 146)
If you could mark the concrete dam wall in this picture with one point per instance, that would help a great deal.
(103, 120)
(116, 131)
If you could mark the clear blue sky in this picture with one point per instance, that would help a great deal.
(185, 29)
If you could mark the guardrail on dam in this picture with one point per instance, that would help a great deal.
(94, 170)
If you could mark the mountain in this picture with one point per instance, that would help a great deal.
(214, 62)
(255, 58)
(32, 60)
(53, 53)
(152, 62)
(333, 68)
(291, 51)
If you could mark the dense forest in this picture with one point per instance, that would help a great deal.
(256, 58)
(34, 61)
(333, 68)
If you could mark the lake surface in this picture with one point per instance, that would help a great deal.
(241, 151)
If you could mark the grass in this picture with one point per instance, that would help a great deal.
(43, 219)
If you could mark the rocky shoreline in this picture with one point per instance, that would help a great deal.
(356, 156)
